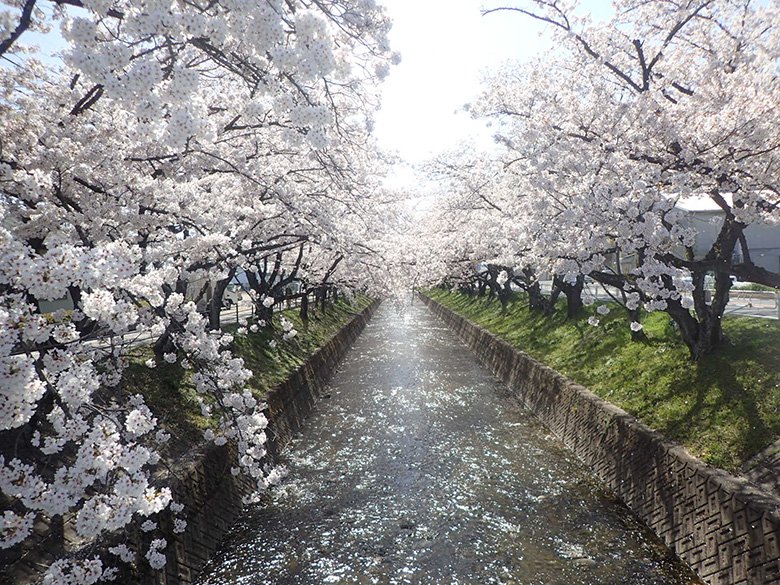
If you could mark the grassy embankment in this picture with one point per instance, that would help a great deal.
(170, 394)
(724, 409)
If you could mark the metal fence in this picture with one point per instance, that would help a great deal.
(244, 307)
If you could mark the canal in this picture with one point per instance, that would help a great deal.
(421, 468)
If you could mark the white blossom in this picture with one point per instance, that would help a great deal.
(123, 552)
(154, 555)
(129, 202)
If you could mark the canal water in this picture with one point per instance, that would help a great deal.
(420, 468)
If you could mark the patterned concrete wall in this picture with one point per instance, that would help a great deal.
(727, 530)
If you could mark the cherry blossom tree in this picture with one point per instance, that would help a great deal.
(179, 143)
(665, 102)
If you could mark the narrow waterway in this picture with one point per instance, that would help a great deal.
(420, 468)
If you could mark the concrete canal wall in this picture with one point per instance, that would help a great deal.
(727, 530)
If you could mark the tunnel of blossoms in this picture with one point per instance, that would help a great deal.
(175, 149)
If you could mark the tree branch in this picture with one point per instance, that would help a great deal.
(24, 23)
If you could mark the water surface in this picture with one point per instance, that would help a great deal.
(421, 468)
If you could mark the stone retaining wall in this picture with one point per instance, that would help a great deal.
(727, 530)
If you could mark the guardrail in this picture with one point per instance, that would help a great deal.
(737, 293)
(243, 306)
(755, 303)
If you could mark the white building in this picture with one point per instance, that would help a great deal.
(706, 218)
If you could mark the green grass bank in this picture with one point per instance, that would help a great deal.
(168, 390)
(724, 408)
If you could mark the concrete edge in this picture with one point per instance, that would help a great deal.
(202, 481)
(289, 404)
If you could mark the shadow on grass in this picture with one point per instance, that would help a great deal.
(170, 395)
(732, 400)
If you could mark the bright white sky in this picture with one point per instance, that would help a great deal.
(444, 46)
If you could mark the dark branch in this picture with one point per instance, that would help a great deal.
(24, 23)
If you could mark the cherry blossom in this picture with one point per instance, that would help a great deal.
(601, 141)
(177, 146)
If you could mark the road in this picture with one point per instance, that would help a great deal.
(744, 303)
(239, 311)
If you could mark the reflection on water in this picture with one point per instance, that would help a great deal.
(421, 468)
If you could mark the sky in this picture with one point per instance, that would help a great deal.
(445, 47)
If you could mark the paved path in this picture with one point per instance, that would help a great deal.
(421, 469)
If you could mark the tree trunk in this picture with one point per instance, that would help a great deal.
(215, 306)
(264, 313)
(505, 295)
(530, 284)
(505, 290)
(323, 297)
(702, 333)
(536, 300)
(633, 317)
(573, 292)
(304, 305)
(702, 336)
(57, 533)
(555, 292)
(163, 345)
